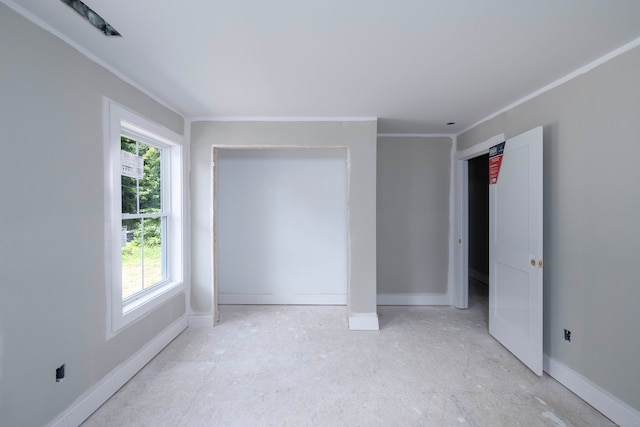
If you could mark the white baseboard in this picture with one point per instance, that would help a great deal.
(414, 298)
(609, 405)
(480, 277)
(199, 321)
(259, 299)
(363, 322)
(93, 398)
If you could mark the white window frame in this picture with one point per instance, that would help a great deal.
(122, 313)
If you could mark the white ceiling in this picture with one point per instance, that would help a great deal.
(414, 64)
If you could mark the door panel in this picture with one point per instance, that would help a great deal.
(515, 249)
(511, 297)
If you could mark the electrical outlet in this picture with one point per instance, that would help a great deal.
(60, 373)
(567, 335)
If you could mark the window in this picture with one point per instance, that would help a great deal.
(144, 214)
(143, 199)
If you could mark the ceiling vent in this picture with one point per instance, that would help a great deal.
(96, 20)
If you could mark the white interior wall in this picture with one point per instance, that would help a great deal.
(281, 226)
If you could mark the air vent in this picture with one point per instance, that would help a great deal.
(90, 15)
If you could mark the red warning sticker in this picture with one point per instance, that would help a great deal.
(495, 161)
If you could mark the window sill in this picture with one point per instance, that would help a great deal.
(140, 307)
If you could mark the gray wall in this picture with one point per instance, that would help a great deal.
(591, 214)
(359, 137)
(413, 183)
(52, 292)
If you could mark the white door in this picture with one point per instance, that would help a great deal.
(515, 246)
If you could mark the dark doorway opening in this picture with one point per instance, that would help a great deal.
(479, 230)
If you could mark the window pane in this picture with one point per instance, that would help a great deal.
(129, 184)
(151, 184)
(131, 257)
(143, 259)
(129, 195)
(153, 259)
(128, 144)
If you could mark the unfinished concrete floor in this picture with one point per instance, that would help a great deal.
(300, 366)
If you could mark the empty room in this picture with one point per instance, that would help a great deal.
(305, 213)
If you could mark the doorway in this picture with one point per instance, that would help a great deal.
(515, 241)
(478, 249)
(461, 267)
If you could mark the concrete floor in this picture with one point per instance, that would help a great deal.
(300, 366)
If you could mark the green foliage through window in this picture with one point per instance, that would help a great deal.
(142, 195)
(142, 263)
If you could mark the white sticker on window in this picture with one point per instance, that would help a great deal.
(132, 165)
